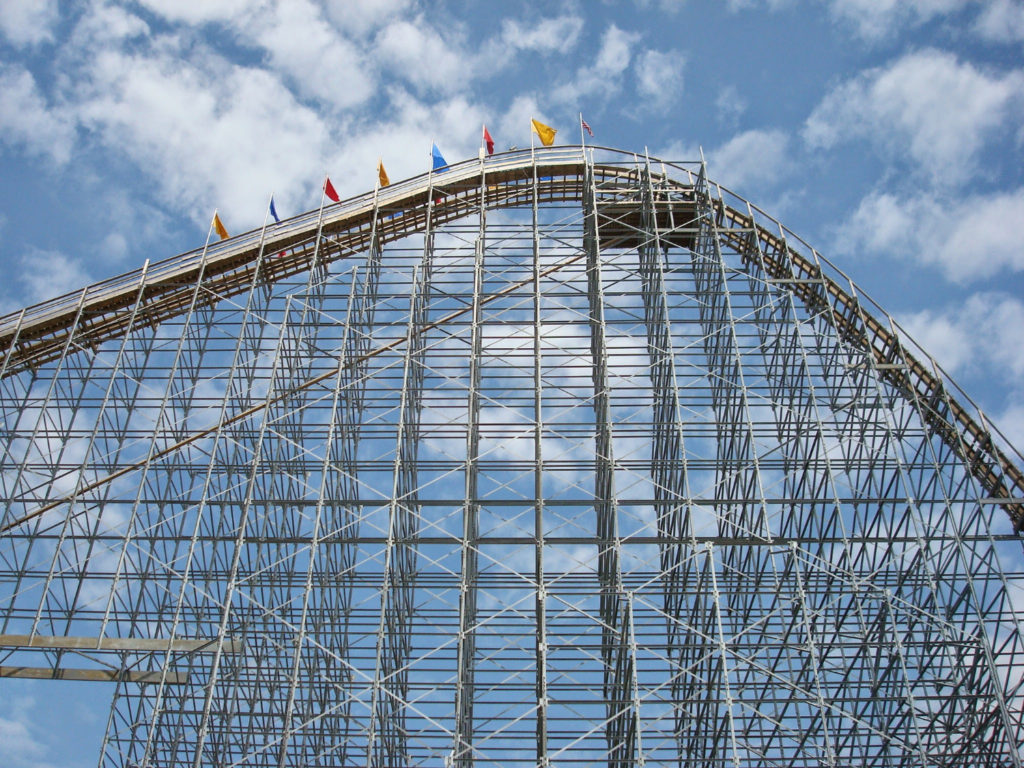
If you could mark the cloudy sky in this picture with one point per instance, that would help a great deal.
(885, 132)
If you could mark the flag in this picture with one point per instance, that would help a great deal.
(329, 189)
(488, 141)
(218, 227)
(546, 133)
(586, 126)
(273, 212)
(439, 161)
(382, 175)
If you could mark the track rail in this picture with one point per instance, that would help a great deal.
(98, 313)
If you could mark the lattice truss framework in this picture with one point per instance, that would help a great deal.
(542, 483)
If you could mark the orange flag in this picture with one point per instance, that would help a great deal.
(218, 227)
(546, 132)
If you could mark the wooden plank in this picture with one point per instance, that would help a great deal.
(172, 677)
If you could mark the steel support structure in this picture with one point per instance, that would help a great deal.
(553, 458)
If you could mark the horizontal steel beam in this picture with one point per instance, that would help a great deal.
(140, 644)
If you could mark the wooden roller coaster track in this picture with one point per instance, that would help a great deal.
(148, 296)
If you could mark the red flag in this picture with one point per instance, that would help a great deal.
(586, 126)
(329, 190)
(488, 141)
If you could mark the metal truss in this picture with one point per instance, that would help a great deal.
(559, 457)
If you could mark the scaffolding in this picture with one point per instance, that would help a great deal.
(557, 457)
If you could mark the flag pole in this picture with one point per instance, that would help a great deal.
(430, 172)
(583, 140)
(320, 213)
(209, 232)
(266, 214)
(320, 221)
(376, 210)
(263, 235)
(533, 158)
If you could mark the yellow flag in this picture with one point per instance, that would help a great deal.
(218, 227)
(546, 133)
(382, 174)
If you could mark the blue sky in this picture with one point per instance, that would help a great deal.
(885, 132)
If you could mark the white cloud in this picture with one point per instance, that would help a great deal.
(558, 34)
(513, 125)
(877, 19)
(419, 53)
(739, 5)
(978, 338)
(1001, 21)
(659, 76)
(205, 12)
(28, 22)
(431, 57)
(403, 138)
(885, 224)
(742, 5)
(982, 333)
(45, 274)
(210, 134)
(132, 225)
(1011, 423)
(298, 37)
(730, 105)
(967, 238)
(115, 246)
(107, 24)
(678, 151)
(750, 158)
(16, 738)
(942, 337)
(303, 45)
(926, 104)
(26, 120)
(361, 16)
(999, 319)
(23, 734)
(669, 6)
(605, 74)
(615, 52)
(871, 20)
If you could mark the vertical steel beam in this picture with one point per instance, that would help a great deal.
(540, 605)
(621, 730)
(462, 751)
(241, 531)
(742, 509)
(387, 743)
(677, 543)
(161, 521)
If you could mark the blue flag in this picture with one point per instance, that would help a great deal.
(273, 210)
(439, 162)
